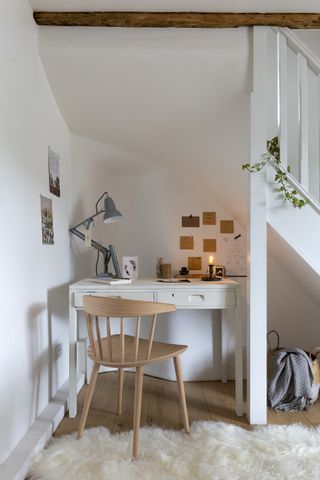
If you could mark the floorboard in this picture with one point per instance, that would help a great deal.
(160, 405)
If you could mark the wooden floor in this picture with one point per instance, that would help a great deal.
(160, 405)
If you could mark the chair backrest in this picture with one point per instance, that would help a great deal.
(112, 348)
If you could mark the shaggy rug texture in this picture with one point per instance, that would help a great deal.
(215, 451)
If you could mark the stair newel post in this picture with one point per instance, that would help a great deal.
(257, 258)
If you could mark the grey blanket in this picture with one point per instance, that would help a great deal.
(290, 385)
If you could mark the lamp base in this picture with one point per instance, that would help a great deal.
(105, 275)
(211, 279)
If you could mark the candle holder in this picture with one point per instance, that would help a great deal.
(210, 272)
(215, 273)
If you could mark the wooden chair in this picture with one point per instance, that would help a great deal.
(123, 351)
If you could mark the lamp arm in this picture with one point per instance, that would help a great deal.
(89, 219)
(104, 194)
(94, 244)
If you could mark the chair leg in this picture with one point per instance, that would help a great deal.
(137, 412)
(182, 396)
(120, 389)
(88, 398)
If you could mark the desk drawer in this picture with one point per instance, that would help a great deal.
(199, 298)
(146, 296)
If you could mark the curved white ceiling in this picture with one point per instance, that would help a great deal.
(178, 5)
(178, 98)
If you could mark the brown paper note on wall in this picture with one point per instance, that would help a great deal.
(209, 218)
(194, 263)
(226, 226)
(186, 243)
(190, 221)
(209, 245)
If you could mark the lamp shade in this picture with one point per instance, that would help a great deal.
(111, 214)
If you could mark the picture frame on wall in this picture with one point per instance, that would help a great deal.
(46, 221)
(54, 172)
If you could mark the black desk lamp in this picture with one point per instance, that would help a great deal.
(110, 215)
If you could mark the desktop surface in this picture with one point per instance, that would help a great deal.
(154, 284)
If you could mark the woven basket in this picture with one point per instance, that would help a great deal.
(272, 349)
(315, 365)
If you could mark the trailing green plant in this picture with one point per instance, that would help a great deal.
(288, 192)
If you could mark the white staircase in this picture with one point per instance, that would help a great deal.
(298, 121)
(285, 102)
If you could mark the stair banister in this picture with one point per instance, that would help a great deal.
(307, 62)
(297, 185)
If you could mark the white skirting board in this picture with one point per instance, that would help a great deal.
(17, 464)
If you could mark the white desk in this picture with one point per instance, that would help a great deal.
(223, 295)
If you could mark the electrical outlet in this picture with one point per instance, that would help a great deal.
(59, 350)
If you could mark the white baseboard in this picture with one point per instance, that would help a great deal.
(16, 465)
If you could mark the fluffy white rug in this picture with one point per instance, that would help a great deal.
(215, 451)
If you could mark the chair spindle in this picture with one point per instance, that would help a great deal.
(122, 338)
(152, 329)
(136, 338)
(98, 336)
(108, 327)
(90, 332)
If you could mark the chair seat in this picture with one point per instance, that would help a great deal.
(159, 352)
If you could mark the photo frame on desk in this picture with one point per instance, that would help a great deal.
(115, 262)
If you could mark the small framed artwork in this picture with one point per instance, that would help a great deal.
(54, 172)
(130, 267)
(226, 226)
(46, 221)
(194, 263)
(190, 221)
(186, 243)
(209, 218)
(219, 271)
(209, 245)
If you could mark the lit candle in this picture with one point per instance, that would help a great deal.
(210, 273)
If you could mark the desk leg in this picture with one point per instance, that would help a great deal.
(224, 345)
(73, 337)
(238, 354)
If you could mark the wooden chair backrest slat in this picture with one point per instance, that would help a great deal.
(112, 347)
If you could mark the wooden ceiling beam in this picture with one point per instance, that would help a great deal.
(176, 19)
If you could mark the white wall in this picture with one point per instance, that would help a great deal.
(33, 276)
(152, 199)
(293, 295)
(290, 310)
